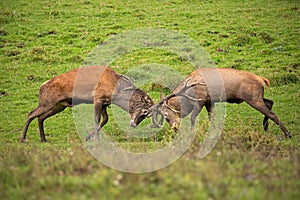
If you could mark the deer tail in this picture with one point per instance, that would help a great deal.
(266, 81)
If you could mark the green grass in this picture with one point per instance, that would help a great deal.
(41, 39)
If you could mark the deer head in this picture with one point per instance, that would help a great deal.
(168, 112)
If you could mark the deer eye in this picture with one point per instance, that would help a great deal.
(145, 112)
(131, 109)
(166, 115)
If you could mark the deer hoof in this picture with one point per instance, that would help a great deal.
(22, 140)
(288, 136)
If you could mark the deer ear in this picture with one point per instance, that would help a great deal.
(162, 96)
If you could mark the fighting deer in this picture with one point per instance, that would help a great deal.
(210, 85)
(96, 85)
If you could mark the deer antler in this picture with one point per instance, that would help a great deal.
(182, 91)
(154, 114)
(154, 109)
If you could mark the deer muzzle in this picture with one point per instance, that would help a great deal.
(132, 124)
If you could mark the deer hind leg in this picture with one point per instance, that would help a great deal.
(40, 110)
(259, 104)
(269, 104)
(42, 118)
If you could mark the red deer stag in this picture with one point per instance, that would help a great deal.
(211, 85)
(96, 85)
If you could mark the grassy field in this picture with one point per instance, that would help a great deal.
(42, 39)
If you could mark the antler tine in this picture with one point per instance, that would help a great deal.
(154, 112)
(163, 100)
(182, 91)
(185, 87)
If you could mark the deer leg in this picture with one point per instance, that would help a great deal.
(42, 118)
(269, 104)
(99, 109)
(104, 117)
(195, 113)
(31, 116)
(260, 105)
(209, 107)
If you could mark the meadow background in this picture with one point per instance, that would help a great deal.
(42, 39)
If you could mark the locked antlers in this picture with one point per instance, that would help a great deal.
(182, 92)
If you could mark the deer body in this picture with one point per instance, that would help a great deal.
(218, 85)
(96, 85)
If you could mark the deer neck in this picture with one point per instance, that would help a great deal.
(123, 93)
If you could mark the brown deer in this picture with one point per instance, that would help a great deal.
(96, 85)
(211, 85)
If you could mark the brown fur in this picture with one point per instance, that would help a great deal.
(228, 85)
(95, 85)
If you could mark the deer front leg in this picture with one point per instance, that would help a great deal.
(195, 113)
(104, 116)
(98, 109)
(209, 107)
